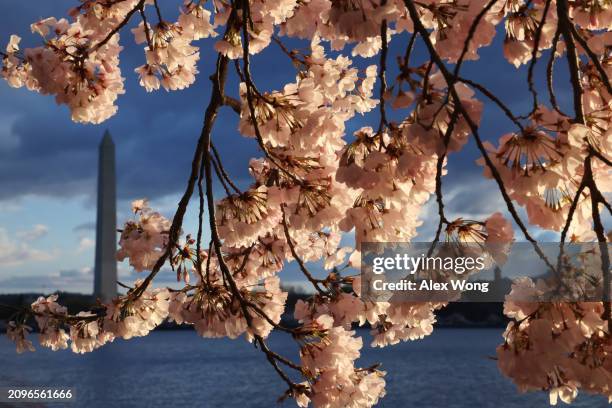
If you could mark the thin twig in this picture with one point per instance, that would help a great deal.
(200, 220)
(145, 26)
(471, 33)
(300, 262)
(534, 57)
(250, 87)
(232, 103)
(382, 75)
(439, 167)
(568, 221)
(409, 48)
(119, 26)
(158, 11)
(549, 73)
(223, 172)
(495, 100)
(220, 176)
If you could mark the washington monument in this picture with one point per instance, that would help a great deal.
(105, 279)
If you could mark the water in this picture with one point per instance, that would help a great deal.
(449, 369)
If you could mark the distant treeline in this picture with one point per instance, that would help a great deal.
(461, 314)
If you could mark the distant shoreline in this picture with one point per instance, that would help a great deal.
(454, 315)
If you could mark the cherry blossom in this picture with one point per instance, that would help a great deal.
(18, 334)
(143, 240)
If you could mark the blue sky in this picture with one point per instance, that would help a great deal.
(48, 164)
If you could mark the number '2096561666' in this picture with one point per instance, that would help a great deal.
(25, 394)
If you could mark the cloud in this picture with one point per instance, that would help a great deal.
(72, 273)
(86, 226)
(11, 205)
(18, 252)
(85, 243)
(474, 199)
(72, 280)
(463, 197)
(38, 231)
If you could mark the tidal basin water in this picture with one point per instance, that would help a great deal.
(449, 369)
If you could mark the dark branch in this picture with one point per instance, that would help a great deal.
(572, 58)
(600, 69)
(233, 103)
(382, 76)
(534, 57)
(222, 169)
(471, 33)
(549, 73)
(119, 26)
(300, 262)
(495, 100)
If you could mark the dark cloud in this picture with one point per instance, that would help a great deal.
(42, 152)
(86, 226)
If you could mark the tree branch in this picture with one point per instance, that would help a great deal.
(233, 103)
(572, 57)
(495, 100)
(139, 6)
(600, 69)
(222, 169)
(471, 33)
(549, 73)
(534, 57)
(203, 144)
(382, 75)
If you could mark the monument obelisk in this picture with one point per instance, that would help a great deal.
(105, 279)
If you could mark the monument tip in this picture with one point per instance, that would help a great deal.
(107, 139)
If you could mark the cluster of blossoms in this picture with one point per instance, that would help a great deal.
(48, 318)
(559, 347)
(83, 54)
(171, 58)
(390, 322)
(542, 168)
(215, 312)
(314, 184)
(144, 240)
(491, 237)
(328, 355)
(73, 66)
(123, 317)
(127, 317)
(263, 16)
(342, 22)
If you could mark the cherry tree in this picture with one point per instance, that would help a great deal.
(313, 183)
